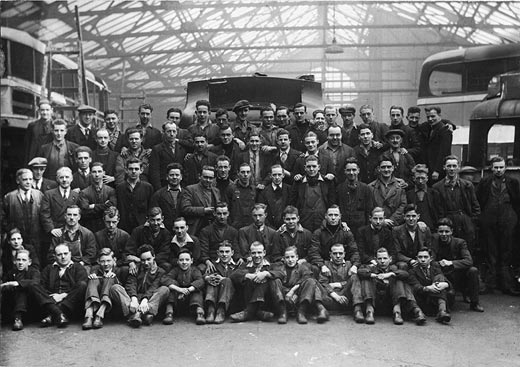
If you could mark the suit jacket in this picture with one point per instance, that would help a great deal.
(512, 187)
(410, 140)
(344, 152)
(406, 247)
(411, 198)
(24, 216)
(161, 156)
(367, 247)
(367, 163)
(75, 135)
(232, 151)
(264, 160)
(47, 185)
(459, 253)
(437, 145)
(52, 213)
(112, 164)
(355, 204)
(70, 160)
(470, 205)
(74, 276)
(192, 206)
(152, 137)
(289, 163)
(169, 207)
(193, 167)
(93, 218)
(38, 133)
(133, 205)
(88, 250)
(393, 202)
(210, 237)
(80, 182)
(276, 203)
(268, 237)
(323, 239)
(418, 280)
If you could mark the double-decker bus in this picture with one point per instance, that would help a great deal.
(457, 80)
(25, 77)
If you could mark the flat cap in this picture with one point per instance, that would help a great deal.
(86, 108)
(393, 132)
(243, 103)
(38, 162)
(347, 109)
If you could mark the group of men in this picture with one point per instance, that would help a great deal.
(251, 219)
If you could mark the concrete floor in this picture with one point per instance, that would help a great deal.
(472, 339)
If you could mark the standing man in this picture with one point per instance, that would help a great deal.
(403, 161)
(337, 151)
(367, 154)
(422, 196)
(275, 196)
(84, 132)
(325, 162)
(242, 127)
(82, 178)
(38, 165)
(203, 125)
(174, 115)
(224, 183)
(299, 128)
(258, 160)
(151, 135)
(410, 141)
(499, 197)
(111, 160)
(244, 198)
(228, 147)
(115, 136)
(378, 129)
(351, 131)
(198, 201)
(39, 132)
(285, 156)
(136, 150)
(168, 198)
(437, 142)
(282, 117)
(193, 162)
(268, 132)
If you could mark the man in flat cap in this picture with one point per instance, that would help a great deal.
(38, 165)
(84, 132)
(402, 159)
(243, 127)
(351, 133)
(39, 132)
(410, 140)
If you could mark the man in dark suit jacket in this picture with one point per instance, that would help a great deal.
(84, 133)
(169, 151)
(39, 132)
(111, 160)
(198, 201)
(259, 161)
(373, 236)
(38, 165)
(276, 196)
(456, 262)
(168, 198)
(326, 165)
(337, 151)
(285, 156)
(228, 147)
(60, 152)
(422, 196)
(193, 162)
(82, 178)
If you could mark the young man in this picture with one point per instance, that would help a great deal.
(403, 161)
(456, 262)
(388, 192)
(174, 115)
(153, 234)
(224, 183)
(354, 197)
(373, 236)
(311, 149)
(151, 136)
(203, 125)
(351, 131)
(383, 284)
(38, 165)
(410, 142)
(422, 196)
(366, 112)
(300, 289)
(15, 285)
(256, 278)
(275, 196)
(282, 117)
(429, 285)
(229, 147)
(258, 160)
(186, 286)
(165, 153)
(312, 195)
(168, 198)
(244, 198)
(337, 151)
(39, 132)
(112, 162)
(59, 152)
(183, 241)
(193, 162)
(97, 298)
(339, 284)
(198, 201)
(84, 132)
(367, 154)
(268, 132)
(80, 240)
(133, 196)
(95, 199)
(143, 294)
(299, 128)
(292, 233)
(136, 150)
(115, 136)
(409, 238)
(242, 127)
(499, 197)
(259, 231)
(82, 177)
(285, 156)
(219, 286)
(62, 288)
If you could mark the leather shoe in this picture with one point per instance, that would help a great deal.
(18, 324)
(239, 316)
(476, 307)
(323, 315)
(419, 318)
(282, 318)
(210, 317)
(221, 315)
(148, 319)
(443, 317)
(98, 322)
(47, 321)
(200, 320)
(168, 319)
(358, 317)
(87, 323)
(264, 315)
(62, 321)
(398, 319)
(301, 318)
(135, 320)
(369, 318)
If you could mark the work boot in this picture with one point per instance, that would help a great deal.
(419, 317)
(147, 319)
(323, 314)
(266, 316)
(369, 314)
(46, 321)
(245, 315)
(210, 317)
(135, 320)
(200, 320)
(282, 313)
(87, 323)
(475, 306)
(358, 315)
(398, 319)
(443, 317)
(18, 324)
(62, 321)
(168, 318)
(300, 315)
(221, 315)
(98, 322)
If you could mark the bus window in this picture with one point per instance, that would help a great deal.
(501, 141)
(446, 79)
(25, 69)
(480, 73)
(23, 103)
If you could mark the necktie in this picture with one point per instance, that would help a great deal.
(87, 132)
(283, 157)
(65, 196)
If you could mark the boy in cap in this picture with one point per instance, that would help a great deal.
(38, 165)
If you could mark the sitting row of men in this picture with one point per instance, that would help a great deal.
(288, 269)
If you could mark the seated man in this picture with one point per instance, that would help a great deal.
(339, 284)
(257, 280)
(456, 262)
(299, 288)
(186, 287)
(373, 236)
(384, 284)
(15, 285)
(429, 285)
(80, 240)
(219, 287)
(182, 240)
(143, 294)
(293, 234)
(62, 288)
(101, 278)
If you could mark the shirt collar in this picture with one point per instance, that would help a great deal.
(146, 224)
(64, 191)
(231, 262)
(299, 228)
(188, 239)
(275, 186)
(55, 264)
(251, 264)
(320, 178)
(314, 154)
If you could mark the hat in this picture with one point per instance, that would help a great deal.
(38, 162)
(243, 103)
(85, 108)
(347, 109)
(393, 132)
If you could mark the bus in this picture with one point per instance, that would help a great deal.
(24, 78)
(457, 80)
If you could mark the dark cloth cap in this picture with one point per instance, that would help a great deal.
(243, 103)
(85, 108)
(347, 109)
(394, 131)
(38, 162)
